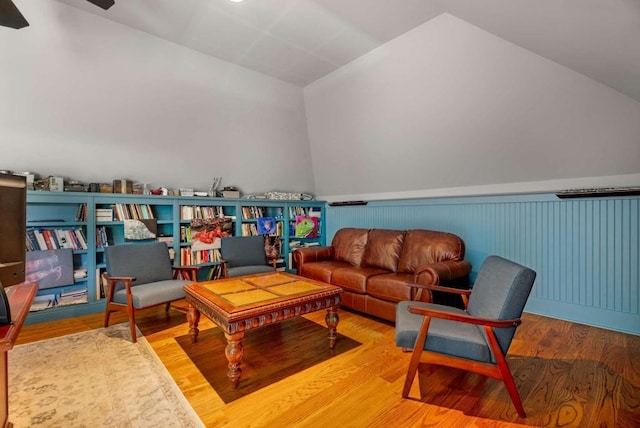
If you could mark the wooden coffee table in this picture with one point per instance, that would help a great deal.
(247, 302)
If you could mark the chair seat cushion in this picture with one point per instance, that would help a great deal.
(153, 293)
(248, 270)
(465, 340)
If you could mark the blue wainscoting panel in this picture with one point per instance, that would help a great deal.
(585, 251)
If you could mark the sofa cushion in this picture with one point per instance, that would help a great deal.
(383, 249)
(423, 247)
(349, 244)
(354, 278)
(321, 271)
(391, 287)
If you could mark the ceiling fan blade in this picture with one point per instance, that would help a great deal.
(10, 16)
(104, 4)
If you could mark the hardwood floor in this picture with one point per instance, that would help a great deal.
(568, 375)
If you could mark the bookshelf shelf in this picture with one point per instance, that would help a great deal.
(72, 210)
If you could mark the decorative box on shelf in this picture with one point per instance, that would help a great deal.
(122, 186)
(231, 194)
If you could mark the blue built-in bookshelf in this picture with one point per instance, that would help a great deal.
(585, 251)
(101, 218)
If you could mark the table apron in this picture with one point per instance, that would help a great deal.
(261, 319)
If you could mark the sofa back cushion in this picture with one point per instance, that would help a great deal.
(424, 247)
(383, 249)
(348, 245)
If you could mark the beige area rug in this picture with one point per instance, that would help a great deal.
(97, 378)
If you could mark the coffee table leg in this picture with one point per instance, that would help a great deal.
(332, 320)
(193, 318)
(234, 352)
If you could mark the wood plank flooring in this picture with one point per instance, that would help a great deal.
(568, 375)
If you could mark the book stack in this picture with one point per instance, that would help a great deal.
(43, 302)
(73, 295)
(104, 214)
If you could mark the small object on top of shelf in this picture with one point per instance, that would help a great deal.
(599, 192)
(56, 184)
(75, 186)
(347, 203)
(122, 186)
(213, 189)
(186, 192)
(286, 196)
(230, 192)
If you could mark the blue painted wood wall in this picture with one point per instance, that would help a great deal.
(585, 251)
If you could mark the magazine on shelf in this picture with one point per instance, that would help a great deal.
(207, 232)
(266, 225)
(306, 227)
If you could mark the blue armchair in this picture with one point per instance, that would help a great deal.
(475, 339)
(140, 276)
(244, 255)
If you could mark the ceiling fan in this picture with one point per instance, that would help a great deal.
(10, 16)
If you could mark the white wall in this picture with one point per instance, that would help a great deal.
(449, 109)
(92, 100)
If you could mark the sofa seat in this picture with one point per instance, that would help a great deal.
(354, 278)
(321, 270)
(391, 287)
(374, 266)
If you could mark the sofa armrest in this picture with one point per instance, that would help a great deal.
(311, 254)
(443, 272)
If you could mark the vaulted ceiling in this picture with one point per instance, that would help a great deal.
(300, 41)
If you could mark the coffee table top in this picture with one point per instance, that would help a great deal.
(262, 292)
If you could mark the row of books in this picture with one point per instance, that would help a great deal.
(40, 239)
(254, 229)
(68, 296)
(306, 211)
(192, 212)
(132, 212)
(188, 257)
(102, 240)
(258, 212)
(81, 213)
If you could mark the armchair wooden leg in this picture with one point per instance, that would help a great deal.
(505, 372)
(167, 306)
(132, 324)
(415, 357)
(107, 315)
(512, 389)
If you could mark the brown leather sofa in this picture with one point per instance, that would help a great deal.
(373, 266)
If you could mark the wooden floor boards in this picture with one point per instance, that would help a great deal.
(568, 375)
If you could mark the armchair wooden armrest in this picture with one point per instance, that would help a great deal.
(112, 280)
(464, 293)
(186, 272)
(469, 319)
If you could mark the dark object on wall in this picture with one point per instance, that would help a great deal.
(347, 203)
(104, 4)
(599, 192)
(10, 16)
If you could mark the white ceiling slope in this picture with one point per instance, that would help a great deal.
(300, 41)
